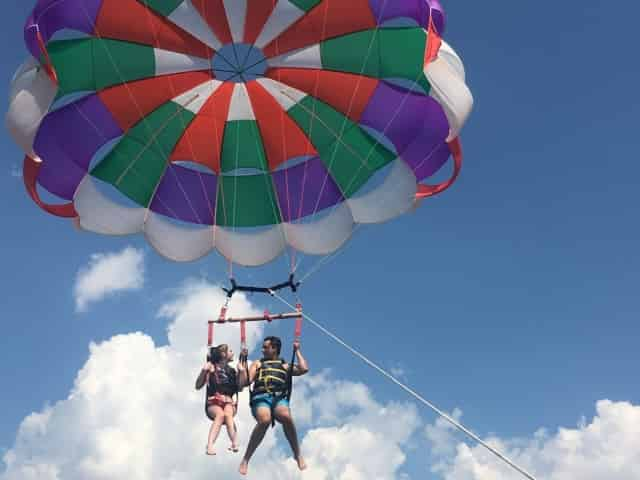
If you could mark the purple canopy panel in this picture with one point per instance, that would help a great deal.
(50, 16)
(68, 139)
(385, 10)
(439, 17)
(431, 161)
(403, 117)
(305, 189)
(187, 195)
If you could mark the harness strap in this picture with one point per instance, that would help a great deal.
(291, 283)
(48, 65)
(30, 171)
(425, 191)
(297, 334)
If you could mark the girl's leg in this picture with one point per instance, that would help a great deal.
(231, 426)
(218, 414)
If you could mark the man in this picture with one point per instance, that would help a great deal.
(271, 382)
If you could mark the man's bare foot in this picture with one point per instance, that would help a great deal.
(301, 463)
(244, 467)
(210, 450)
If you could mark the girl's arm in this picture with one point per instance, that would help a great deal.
(202, 377)
(243, 380)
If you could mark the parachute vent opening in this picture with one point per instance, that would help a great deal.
(239, 63)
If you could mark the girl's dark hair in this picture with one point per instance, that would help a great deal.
(216, 353)
(275, 342)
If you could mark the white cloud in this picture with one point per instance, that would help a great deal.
(133, 413)
(107, 274)
(400, 372)
(16, 171)
(606, 448)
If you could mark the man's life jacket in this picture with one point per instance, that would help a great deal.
(222, 380)
(271, 377)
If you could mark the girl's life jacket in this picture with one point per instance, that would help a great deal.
(222, 380)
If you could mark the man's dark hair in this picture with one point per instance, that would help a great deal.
(275, 342)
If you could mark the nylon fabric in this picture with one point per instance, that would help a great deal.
(344, 122)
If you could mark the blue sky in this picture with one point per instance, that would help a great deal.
(513, 296)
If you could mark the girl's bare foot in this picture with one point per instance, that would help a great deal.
(244, 467)
(210, 450)
(301, 463)
(233, 448)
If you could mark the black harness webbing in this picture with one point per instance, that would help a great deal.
(291, 283)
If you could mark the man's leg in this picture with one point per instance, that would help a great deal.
(283, 415)
(218, 414)
(263, 417)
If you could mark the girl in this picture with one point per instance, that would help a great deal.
(222, 385)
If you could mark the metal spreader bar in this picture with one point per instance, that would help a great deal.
(266, 317)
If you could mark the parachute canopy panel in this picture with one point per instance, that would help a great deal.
(267, 123)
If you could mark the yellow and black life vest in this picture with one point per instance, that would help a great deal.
(271, 377)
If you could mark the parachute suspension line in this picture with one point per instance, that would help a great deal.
(155, 133)
(184, 126)
(271, 187)
(413, 393)
(296, 338)
(327, 258)
(340, 135)
(230, 269)
(234, 214)
(431, 48)
(292, 251)
(309, 135)
(423, 192)
(93, 125)
(222, 318)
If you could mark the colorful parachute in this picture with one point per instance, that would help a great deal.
(244, 126)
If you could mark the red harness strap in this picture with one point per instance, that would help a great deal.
(425, 191)
(49, 68)
(30, 170)
(243, 335)
(298, 331)
(221, 319)
(434, 42)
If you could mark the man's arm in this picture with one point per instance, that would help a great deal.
(301, 367)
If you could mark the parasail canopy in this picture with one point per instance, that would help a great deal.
(244, 126)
